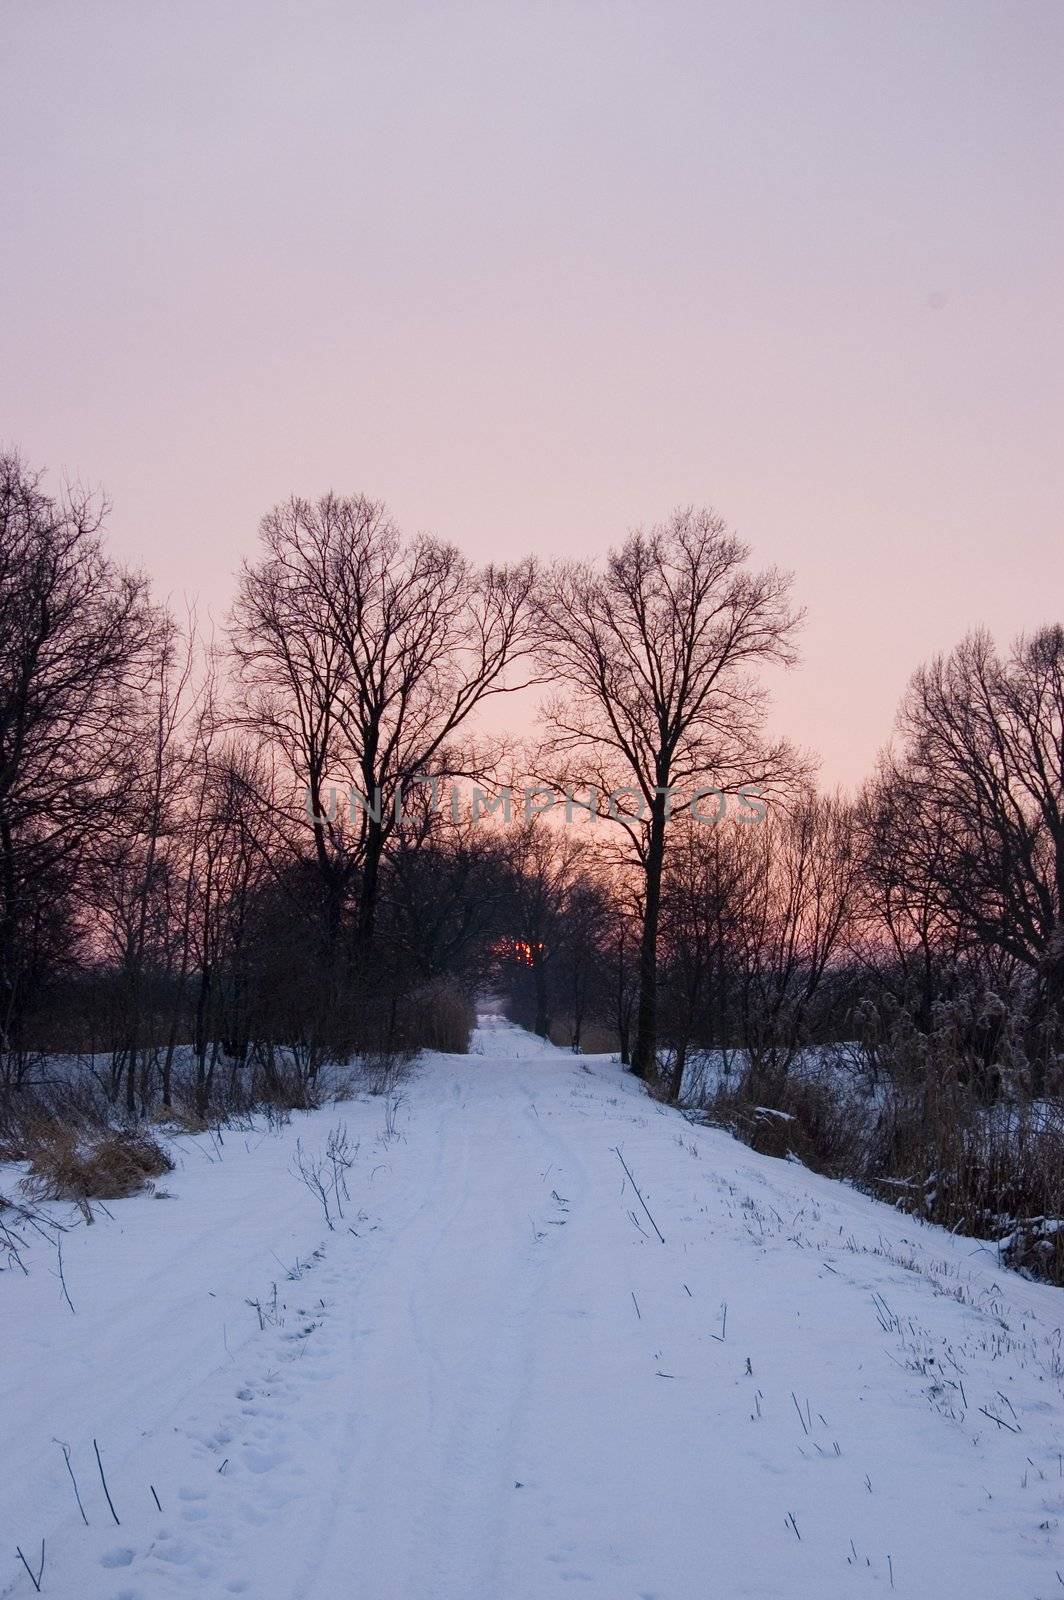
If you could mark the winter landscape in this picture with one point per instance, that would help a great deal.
(505, 1369)
(531, 800)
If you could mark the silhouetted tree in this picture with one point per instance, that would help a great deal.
(363, 655)
(76, 655)
(658, 650)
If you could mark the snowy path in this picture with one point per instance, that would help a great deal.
(492, 1381)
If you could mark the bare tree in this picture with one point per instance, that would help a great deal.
(657, 651)
(621, 951)
(707, 885)
(75, 657)
(979, 786)
(906, 931)
(586, 935)
(797, 896)
(447, 892)
(544, 865)
(137, 873)
(363, 655)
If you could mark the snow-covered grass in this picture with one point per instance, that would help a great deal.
(504, 1374)
(929, 1143)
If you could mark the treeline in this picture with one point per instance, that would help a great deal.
(923, 920)
(177, 903)
(185, 900)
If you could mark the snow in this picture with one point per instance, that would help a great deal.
(493, 1381)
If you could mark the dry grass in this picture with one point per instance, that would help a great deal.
(595, 1038)
(78, 1164)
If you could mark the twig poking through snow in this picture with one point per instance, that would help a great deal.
(66, 1457)
(36, 1581)
(999, 1420)
(635, 1186)
(103, 1480)
(62, 1278)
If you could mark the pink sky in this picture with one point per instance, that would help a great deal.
(537, 273)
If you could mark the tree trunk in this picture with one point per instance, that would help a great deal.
(8, 939)
(624, 1008)
(678, 1066)
(201, 1041)
(134, 1049)
(367, 905)
(542, 1026)
(578, 1014)
(645, 1055)
(171, 1044)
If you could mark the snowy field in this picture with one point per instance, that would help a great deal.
(493, 1380)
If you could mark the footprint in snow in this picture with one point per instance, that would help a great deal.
(175, 1553)
(260, 1461)
(120, 1556)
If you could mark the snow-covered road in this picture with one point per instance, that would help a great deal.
(493, 1380)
